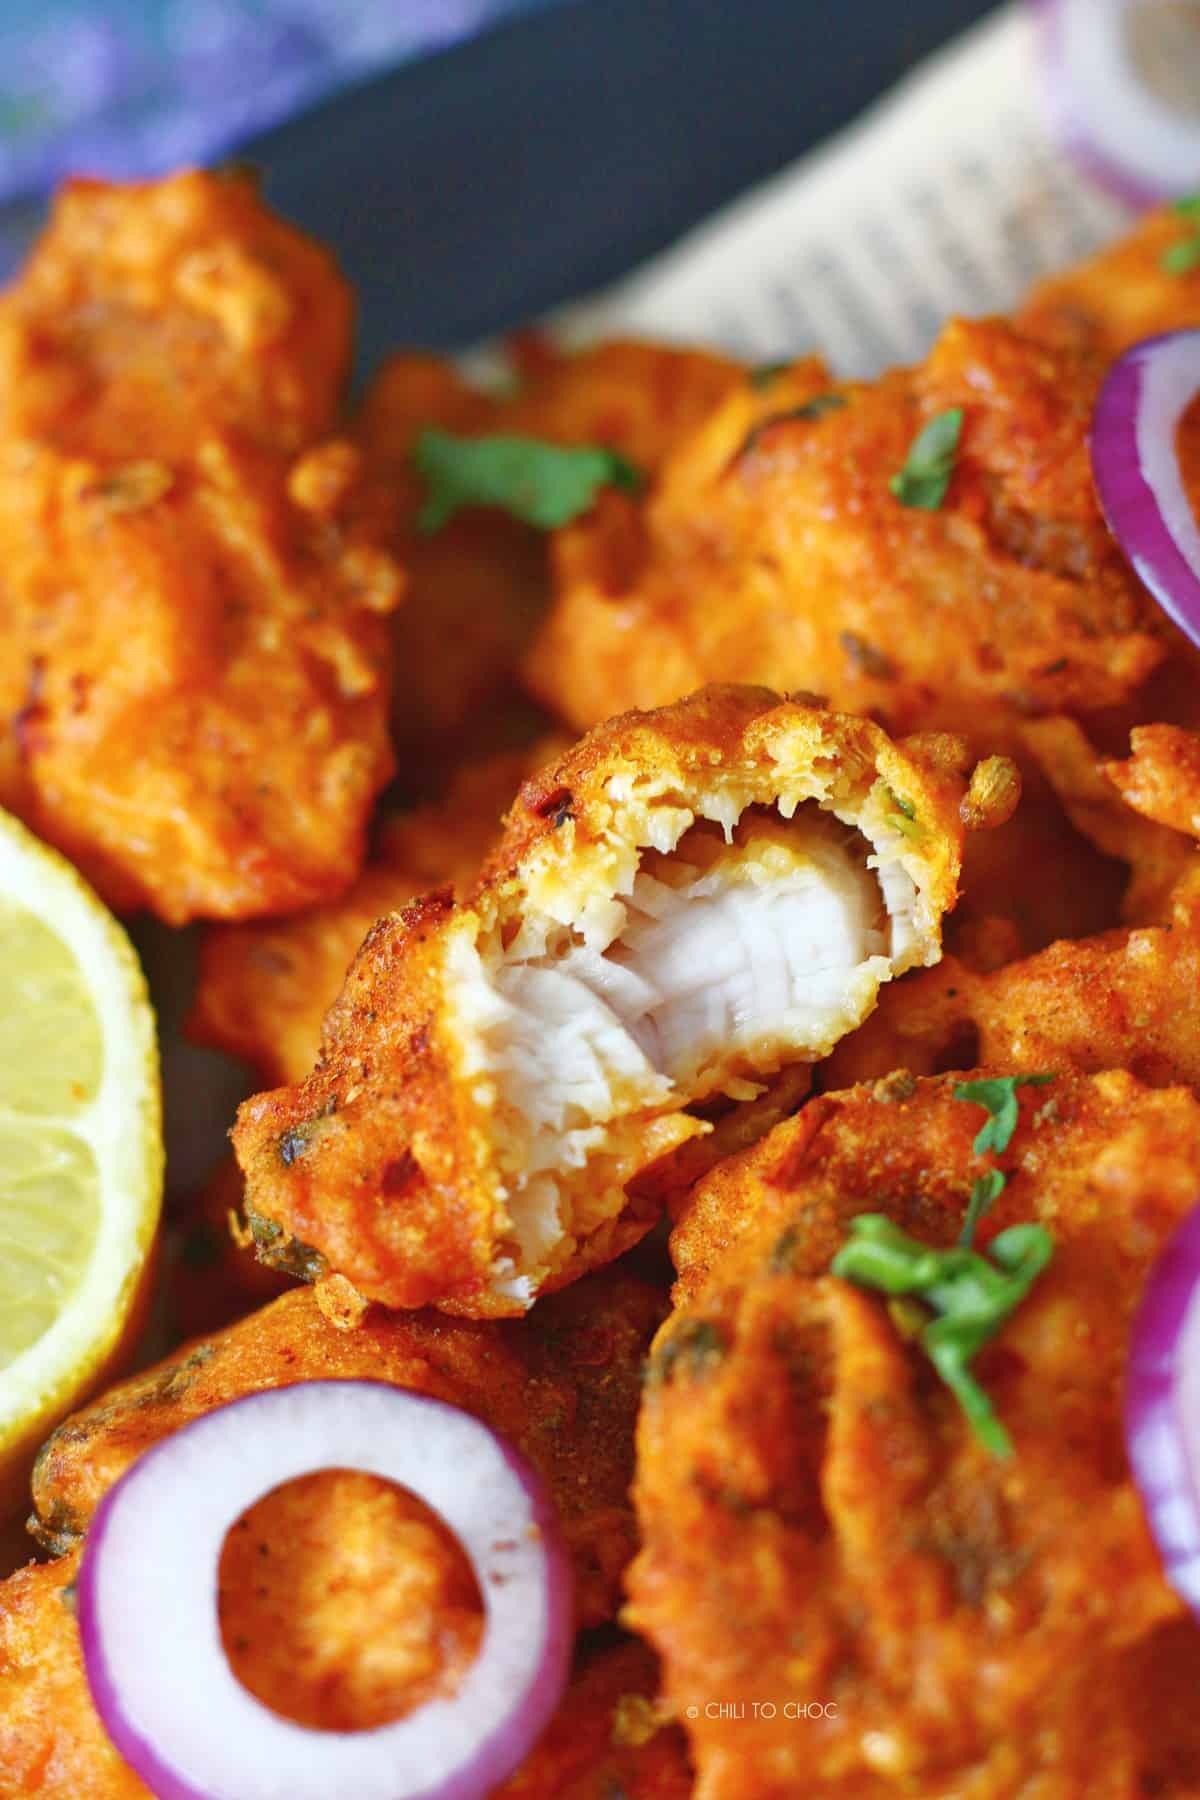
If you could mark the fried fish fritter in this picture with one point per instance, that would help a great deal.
(773, 549)
(819, 1523)
(478, 587)
(687, 903)
(196, 663)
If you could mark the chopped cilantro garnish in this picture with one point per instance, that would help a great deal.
(542, 484)
(1182, 257)
(923, 480)
(969, 1298)
(984, 1195)
(998, 1095)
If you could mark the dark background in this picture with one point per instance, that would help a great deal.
(477, 187)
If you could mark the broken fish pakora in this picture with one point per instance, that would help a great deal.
(478, 586)
(562, 1386)
(773, 548)
(819, 1520)
(1123, 294)
(688, 902)
(263, 989)
(197, 667)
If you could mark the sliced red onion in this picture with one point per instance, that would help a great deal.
(1135, 462)
(1162, 1407)
(1140, 142)
(147, 1602)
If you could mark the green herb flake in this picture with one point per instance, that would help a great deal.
(968, 1296)
(541, 484)
(1183, 257)
(984, 1195)
(1188, 207)
(998, 1096)
(925, 477)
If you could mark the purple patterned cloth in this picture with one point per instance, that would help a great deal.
(135, 87)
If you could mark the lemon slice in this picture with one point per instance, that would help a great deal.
(81, 1158)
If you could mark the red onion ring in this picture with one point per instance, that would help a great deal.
(1132, 140)
(147, 1603)
(1162, 1407)
(1135, 464)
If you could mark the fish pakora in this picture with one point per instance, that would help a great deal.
(687, 903)
(478, 587)
(197, 665)
(774, 548)
(822, 1527)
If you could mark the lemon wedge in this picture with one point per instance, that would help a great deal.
(81, 1157)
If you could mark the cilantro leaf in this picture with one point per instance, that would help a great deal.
(969, 1298)
(984, 1195)
(925, 477)
(1188, 207)
(998, 1094)
(1183, 257)
(542, 484)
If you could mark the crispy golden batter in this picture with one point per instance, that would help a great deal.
(1121, 295)
(772, 549)
(51, 1740)
(688, 902)
(345, 1602)
(196, 672)
(478, 587)
(820, 1524)
(263, 989)
(562, 1385)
